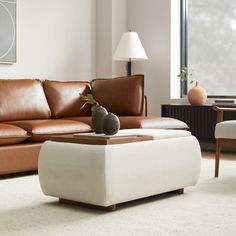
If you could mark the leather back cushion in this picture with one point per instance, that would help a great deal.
(122, 96)
(22, 99)
(64, 98)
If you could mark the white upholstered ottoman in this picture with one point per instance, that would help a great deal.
(105, 175)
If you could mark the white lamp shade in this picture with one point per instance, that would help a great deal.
(130, 48)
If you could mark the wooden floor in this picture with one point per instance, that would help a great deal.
(224, 155)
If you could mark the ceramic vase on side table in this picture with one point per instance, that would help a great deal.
(197, 95)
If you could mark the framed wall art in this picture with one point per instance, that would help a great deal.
(8, 31)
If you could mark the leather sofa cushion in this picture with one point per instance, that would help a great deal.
(122, 96)
(64, 98)
(10, 134)
(132, 122)
(42, 130)
(22, 99)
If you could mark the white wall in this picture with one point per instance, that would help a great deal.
(175, 48)
(55, 40)
(104, 38)
(119, 26)
(111, 23)
(151, 19)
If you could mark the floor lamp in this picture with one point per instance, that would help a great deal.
(130, 49)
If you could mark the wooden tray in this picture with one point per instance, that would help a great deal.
(100, 140)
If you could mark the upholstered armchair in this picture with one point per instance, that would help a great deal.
(225, 133)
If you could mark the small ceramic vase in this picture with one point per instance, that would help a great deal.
(111, 124)
(197, 95)
(98, 115)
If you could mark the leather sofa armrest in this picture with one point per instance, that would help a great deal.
(144, 113)
(145, 105)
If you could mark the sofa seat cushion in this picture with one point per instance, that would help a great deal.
(10, 134)
(145, 122)
(42, 130)
(130, 122)
(122, 95)
(64, 97)
(23, 99)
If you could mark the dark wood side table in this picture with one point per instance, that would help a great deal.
(200, 119)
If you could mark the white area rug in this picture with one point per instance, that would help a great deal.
(206, 209)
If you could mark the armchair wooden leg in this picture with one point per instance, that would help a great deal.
(217, 157)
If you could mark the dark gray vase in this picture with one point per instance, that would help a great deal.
(98, 114)
(111, 124)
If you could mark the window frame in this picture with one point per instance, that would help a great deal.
(183, 44)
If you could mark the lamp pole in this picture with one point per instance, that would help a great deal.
(129, 67)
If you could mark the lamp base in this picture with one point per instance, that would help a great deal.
(129, 68)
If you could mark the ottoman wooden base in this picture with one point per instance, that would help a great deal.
(108, 208)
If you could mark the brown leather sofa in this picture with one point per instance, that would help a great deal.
(31, 111)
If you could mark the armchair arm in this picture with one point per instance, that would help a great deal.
(220, 112)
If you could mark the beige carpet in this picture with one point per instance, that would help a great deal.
(206, 209)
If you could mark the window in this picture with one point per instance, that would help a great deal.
(209, 45)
